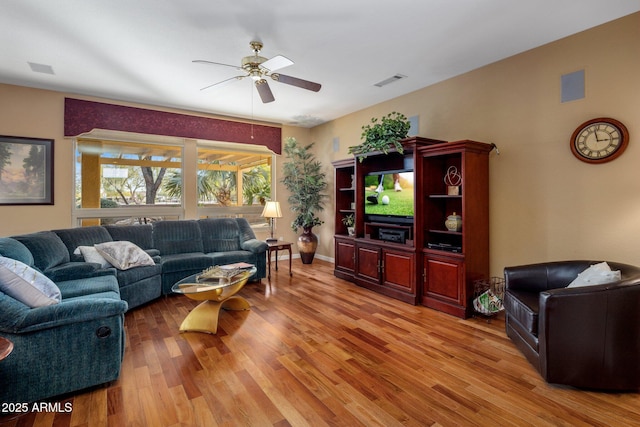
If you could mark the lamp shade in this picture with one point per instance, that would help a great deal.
(272, 210)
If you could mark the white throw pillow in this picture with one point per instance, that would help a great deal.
(124, 255)
(26, 284)
(91, 254)
(597, 274)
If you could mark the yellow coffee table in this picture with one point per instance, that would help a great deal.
(215, 295)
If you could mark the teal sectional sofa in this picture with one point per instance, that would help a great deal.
(79, 342)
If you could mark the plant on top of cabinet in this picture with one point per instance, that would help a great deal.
(380, 136)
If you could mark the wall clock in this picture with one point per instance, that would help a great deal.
(599, 140)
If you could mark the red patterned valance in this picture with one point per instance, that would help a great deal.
(83, 116)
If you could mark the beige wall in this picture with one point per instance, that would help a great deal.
(38, 114)
(544, 203)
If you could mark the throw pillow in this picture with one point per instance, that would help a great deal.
(26, 284)
(124, 255)
(597, 274)
(91, 254)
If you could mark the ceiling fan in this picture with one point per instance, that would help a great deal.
(258, 67)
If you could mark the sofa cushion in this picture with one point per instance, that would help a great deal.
(26, 284)
(185, 262)
(523, 306)
(124, 255)
(82, 236)
(134, 275)
(219, 234)
(177, 237)
(47, 248)
(91, 254)
(141, 235)
(11, 248)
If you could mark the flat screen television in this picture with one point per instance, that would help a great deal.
(389, 197)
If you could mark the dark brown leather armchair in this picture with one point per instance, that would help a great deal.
(587, 337)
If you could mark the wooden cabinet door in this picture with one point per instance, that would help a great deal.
(345, 260)
(399, 270)
(443, 286)
(368, 263)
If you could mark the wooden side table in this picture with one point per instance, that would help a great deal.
(6, 347)
(275, 247)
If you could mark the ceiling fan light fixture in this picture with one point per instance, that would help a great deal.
(390, 80)
(258, 67)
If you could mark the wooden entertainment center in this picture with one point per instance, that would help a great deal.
(417, 260)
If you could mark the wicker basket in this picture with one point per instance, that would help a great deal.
(488, 295)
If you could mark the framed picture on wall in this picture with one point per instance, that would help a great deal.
(26, 171)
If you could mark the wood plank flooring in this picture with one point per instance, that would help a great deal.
(315, 350)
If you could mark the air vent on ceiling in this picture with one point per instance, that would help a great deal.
(41, 68)
(391, 79)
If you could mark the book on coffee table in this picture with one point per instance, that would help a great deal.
(240, 265)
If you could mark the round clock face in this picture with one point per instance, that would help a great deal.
(599, 140)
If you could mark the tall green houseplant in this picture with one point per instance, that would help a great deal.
(303, 177)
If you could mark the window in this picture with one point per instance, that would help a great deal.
(233, 183)
(125, 182)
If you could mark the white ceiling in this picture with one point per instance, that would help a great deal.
(142, 50)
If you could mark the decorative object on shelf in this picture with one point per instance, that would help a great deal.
(453, 222)
(599, 140)
(349, 221)
(453, 179)
(303, 177)
(380, 136)
(271, 211)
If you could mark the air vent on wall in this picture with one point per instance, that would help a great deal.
(391, 79)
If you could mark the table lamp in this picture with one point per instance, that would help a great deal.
(271, 210)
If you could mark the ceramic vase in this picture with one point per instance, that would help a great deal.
(453, 222)
(307, 245)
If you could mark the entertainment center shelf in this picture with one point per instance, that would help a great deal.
(409, 254)
(399, 234)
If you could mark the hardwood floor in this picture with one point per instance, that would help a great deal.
(315, 350)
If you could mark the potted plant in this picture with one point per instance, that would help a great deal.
(303, 177)
(382, 135)
(349, 221)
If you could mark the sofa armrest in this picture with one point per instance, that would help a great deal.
(77, 270)
(254, 245)
(572, 325)
(67, 312)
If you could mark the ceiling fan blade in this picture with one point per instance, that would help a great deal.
(294, 81)
(265, 91)
(276, 63)
(224, 82)
(202, 61)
